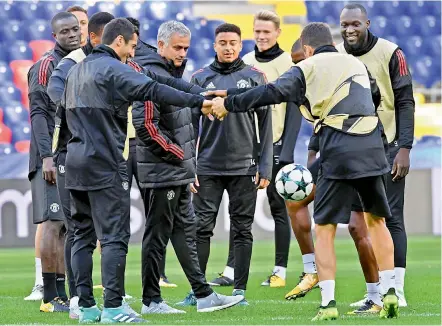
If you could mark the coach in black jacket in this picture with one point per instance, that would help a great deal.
(229, 156)
(166, 166)
(98, 93)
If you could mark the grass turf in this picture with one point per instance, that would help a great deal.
(267, 306)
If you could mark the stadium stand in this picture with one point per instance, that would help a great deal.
(25, 35)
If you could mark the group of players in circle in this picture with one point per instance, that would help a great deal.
(107, 107)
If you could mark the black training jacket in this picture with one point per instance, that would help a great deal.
(42, 109)
(98, 93)
(165, 135)
(230, 147)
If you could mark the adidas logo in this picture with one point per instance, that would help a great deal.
(210, 85)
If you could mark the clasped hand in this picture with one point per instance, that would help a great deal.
(215, 107)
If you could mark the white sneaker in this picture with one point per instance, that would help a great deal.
(160, 308)
(36, 293)
(128, 297)
(74, 309)
(128, 309)
(359, 303)
(401, 298)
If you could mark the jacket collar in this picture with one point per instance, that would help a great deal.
(60, 51)
(87, 49)
(106, 50)
(227, 68)
(269, 54)
(325, 49)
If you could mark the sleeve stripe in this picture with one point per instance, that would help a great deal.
(156, 136)
(43, 71)
(402, 63)
(134, 65)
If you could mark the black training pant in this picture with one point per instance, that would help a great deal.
(65, 201)
(282, 222)
(170, 215)
(102, 214)
(242, 203)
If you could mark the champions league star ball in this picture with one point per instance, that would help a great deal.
(294, 182)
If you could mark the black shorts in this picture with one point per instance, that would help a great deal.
(332, 204)
(45, 200)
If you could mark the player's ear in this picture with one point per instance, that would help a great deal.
(334, 43)
(368, 23)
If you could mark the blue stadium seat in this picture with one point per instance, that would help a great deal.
(160, 10)
(19, 50)
(426, 71)
(13, 113)
(39, 30)
(30, 10)
(191, 67)
(315, 10)
(392, 39)
(109, 7)
(389, 8)
(6, 149)
(12, 31)
(247, 46)
(208, 28)
(132, 9)
(380, 26)
(434, 45)
(9, 10)
(434, 8)
(429, 26)
(9, 93)
(405, 26)
(416, 8)
(149, 29)
(5, 73)
(54, 7)
(196, 28)
(200, 49)
(21, 131)
(414, 47)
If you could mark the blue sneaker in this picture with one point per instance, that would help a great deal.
(243, 294)
(216, 302)
(188, 301)
(89, 315)
(119, 315)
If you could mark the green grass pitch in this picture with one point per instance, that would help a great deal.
(267, 306)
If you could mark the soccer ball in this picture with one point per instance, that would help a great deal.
(294, 182)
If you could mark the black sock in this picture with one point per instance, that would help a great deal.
(49, 287)
(61, 289)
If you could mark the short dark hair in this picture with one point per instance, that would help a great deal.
(98, 21)
(76, 8)
(351, 6)
(316, 35)
(296, 46)
(59, 16)
(136, 23)
(116, 27)
(228, 28)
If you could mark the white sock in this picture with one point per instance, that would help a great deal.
(399, 274)
(387, 279)
(38, 272)
(309, 263)
(327, 291)
(373, 293)
(280, 271)
(229, 272)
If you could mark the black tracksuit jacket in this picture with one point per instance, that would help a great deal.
(230, 147)
(98, 93)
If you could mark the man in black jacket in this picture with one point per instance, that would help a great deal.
(229, 156)
(166, 161)
(98, 92)
(143, 55)
(62, 135)
(42, 173)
